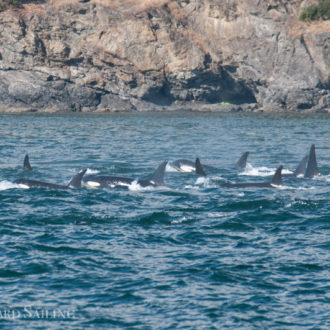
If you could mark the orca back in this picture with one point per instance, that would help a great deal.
(312, 169)
(75, 182)
(199, 168)
(277, 178)
(241, 164)
(300, 170)
(26, 165)
(158, 176)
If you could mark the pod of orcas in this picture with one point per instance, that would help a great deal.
(307, 168)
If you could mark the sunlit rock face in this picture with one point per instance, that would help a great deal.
(128, 55)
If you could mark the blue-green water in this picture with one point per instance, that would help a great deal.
(190, 256)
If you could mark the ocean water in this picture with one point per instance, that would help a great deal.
(191, 255)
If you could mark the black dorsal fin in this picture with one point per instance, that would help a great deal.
(199, 168)
(75, 182)
(158, 176)
(300, 170)
(277, 178)
(26, 165)
(242, 161)
(312, 169)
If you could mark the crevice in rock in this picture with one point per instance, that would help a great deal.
(304, 106)
(23, 26)
(74, 61)
(40, 46)
(302, 40)
(159, 95)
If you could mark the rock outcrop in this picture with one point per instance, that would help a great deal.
(111, 55)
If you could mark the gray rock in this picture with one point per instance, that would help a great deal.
(202, 55)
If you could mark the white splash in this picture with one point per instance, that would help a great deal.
(304, 188)
(178, 221)
(202, 180)
(282, 187)
(90, 171)
(321, 177)
(190, 187)
(5, 185)
(261, 171)
(135, 186)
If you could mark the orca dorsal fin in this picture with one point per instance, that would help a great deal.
(75, 182)
(26, 164)
(158, 176)
(277, 178)
(312, 169)
(300, 170)
(242, 161)
(199, 168)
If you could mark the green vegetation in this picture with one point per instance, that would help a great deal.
(316, 12)
(4, 4)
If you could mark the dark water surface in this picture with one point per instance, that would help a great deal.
(194, 255)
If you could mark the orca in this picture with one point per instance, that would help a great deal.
(185, 165)
(26, 164)
(276, 181)
(156, 179)
(75, 182)
(300, 170)
(199, 168)
(312, 169)
(241, 164)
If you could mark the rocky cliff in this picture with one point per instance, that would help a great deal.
(117, 55)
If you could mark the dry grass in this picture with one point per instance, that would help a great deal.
(60, 3)
(24, 9)
(135, 5)
(298, 28)
(128, 5)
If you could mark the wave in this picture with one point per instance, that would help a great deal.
(207, 182)
(324, 178)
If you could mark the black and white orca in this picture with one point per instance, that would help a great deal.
(156, 179)
(188, 166)
(185, 165)
(275, 182)
(75, 182)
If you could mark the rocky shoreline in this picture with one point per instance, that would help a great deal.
(201, 55)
